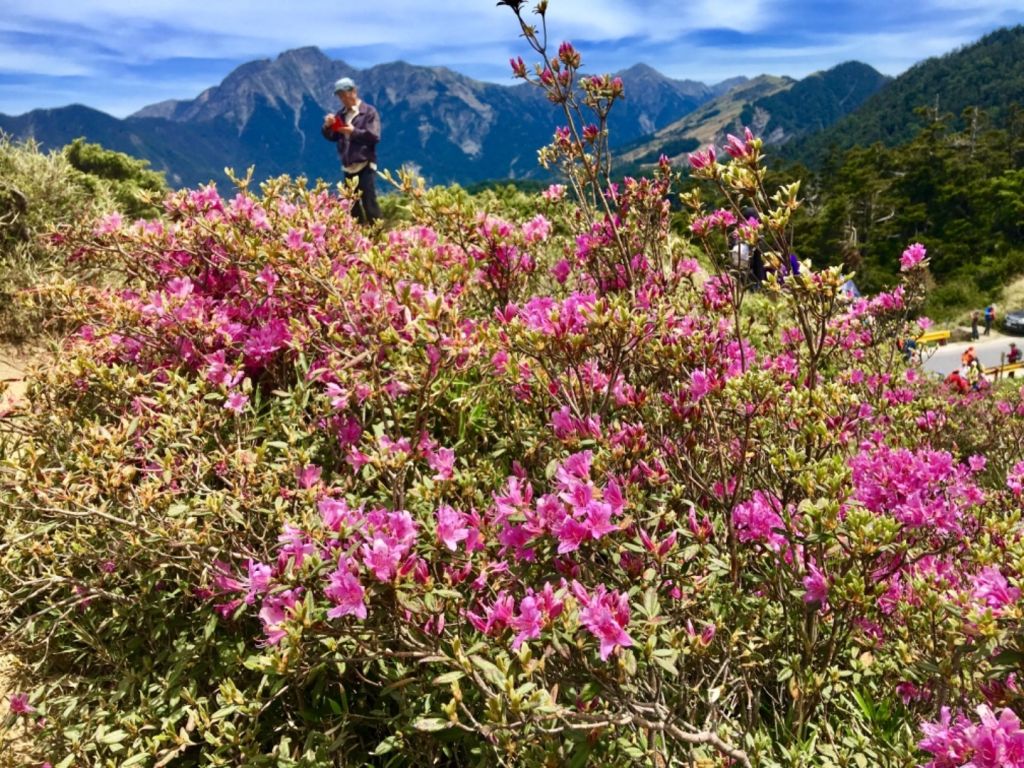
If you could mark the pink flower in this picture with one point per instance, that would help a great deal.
(496, 616)
(339, 397)
(1015, 478)
(19, 704)
(536, 229)
(268, 277)
(561, 271)
(700, 384)
(758, 520)
(308, 476)
(109, 223)
(296, 546)
(528, 623)
(442, 461)
(382, 558)
(701, 160)
(275, 611)
(345, 591)
(451, 527)
(816, 585)
(606, 615)
(738, 147)
(554, 193)
(992, 590)
(912, 256)
(236, 401)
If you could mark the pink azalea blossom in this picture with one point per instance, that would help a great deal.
(554, 193)
(382, 558)
(992, 590)
(451, 527)
(19, 704)
(606, 615)
(276, 610)
(536, 229)
(912, 256)
(346, 592)
(236, 401)
(816, 585)
(308, 476)
(442, 461)
(758, 520)
(703, 159)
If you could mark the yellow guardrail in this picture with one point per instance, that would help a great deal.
(999, 370)
(933, 337)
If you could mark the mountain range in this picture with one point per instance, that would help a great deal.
(448, 126)
(452, 128)
(268, 113)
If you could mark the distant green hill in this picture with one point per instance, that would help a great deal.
(778, 109)
(988, 74)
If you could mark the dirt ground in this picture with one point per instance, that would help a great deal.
(14, 361)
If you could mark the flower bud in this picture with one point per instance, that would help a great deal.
(518, 66)
(569, 55)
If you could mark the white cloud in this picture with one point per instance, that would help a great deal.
(104, 39)
(38, 63)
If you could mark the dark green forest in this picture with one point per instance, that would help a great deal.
(957, 190)
(988, 74)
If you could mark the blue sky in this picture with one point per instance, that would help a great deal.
(119, 56)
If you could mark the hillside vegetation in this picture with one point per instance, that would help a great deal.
(958, 191)
(42, 193)
(988, 75)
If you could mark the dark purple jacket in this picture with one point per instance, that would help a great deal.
(361, 145)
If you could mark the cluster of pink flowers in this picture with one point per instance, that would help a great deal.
(721, 219)
(536, 611)
(912, 256)
(760, 520)
(991, 742)
(920, 489)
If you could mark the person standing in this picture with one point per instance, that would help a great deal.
(990, 315)
(974, 325)
(356, 130)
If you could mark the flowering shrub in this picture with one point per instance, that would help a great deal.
(488, 490)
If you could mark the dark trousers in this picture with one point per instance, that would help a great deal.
(366, 208)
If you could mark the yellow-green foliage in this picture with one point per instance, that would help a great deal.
(135, 188)
(42, 192)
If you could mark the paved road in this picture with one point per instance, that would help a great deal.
(946, 359)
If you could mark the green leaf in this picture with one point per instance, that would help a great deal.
(449, 677)
(387, 745)
(491, 672)
(431, 724)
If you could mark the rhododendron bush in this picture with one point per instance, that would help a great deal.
(481, 490)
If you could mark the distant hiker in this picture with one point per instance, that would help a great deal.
(974, 325)
(958, 382)
(1014, 354)
(990, 315)
(908, 347)
(756, 262)
(356, 129)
